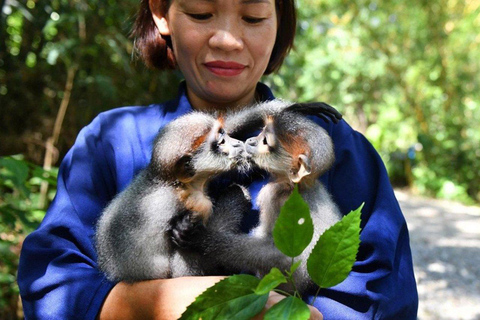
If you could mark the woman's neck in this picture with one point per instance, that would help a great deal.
(213, 106)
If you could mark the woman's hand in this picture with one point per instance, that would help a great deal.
(162, 299)
(166, 299)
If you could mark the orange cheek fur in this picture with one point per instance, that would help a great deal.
(199, 140)
(295, 147)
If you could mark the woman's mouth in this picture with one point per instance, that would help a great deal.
(225, 68)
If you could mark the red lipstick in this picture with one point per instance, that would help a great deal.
(225, 68)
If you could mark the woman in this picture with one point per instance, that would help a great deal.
(222, 47)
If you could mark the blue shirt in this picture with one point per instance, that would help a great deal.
(58, 275)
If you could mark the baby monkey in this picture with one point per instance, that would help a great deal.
(133, 237)
(294, 150)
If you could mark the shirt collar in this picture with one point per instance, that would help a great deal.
(264, 92)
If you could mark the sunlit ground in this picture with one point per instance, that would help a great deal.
(445, 241)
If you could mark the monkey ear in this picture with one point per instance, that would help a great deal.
(301, 168)
(183, 168)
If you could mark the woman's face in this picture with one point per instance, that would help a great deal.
(222, 47)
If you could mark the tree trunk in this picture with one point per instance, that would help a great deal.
(51, 153)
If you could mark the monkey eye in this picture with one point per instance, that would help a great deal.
(221, 141)
(221, 138)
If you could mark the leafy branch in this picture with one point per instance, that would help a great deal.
(331, 260)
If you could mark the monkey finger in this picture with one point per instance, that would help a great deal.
(185, 230)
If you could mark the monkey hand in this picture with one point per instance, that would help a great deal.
(186, 229)
(319, 109)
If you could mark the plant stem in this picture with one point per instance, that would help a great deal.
(292, 281)
(285, 293)
(316, 295)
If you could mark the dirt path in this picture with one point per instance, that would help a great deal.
(445, 241)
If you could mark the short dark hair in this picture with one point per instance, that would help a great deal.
(156, 50)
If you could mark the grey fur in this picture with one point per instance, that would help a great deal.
(257, 253)
(133, 237)
(134, 233)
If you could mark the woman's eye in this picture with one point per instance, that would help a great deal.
(253, 20)
(200, 16)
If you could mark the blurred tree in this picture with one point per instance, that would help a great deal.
(20, 213)
(73, 54)
(405, 74)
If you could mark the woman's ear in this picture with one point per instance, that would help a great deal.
(160, 21)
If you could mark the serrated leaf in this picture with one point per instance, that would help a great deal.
(231, 298)
(334, 254)
(270, 281)
(290, 308)
(293, 229)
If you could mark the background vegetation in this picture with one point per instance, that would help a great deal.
(404, 73)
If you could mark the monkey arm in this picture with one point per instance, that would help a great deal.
(222, 241)
(319, 109)
(252, 118)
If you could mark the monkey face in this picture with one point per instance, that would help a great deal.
(227, 146)
(221, 144)
(219, 152)
(285, 158)
(263, 144)
(267, 152)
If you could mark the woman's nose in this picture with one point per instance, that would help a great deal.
(227, 38)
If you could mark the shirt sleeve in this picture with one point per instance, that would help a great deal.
(58, 275)
(381, 284)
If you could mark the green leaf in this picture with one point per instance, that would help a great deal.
(290, 308)
(16, 170)
(231, 298)
(270, 281)
(294, 267)
(6, 278)
(293, 229)
(333, 256)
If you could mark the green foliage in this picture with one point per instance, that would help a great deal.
(335, 252)
(20, 213)
(329, 263)
(269, 282)
(231, 298)
(293, 230)
(403, 73)
(40, 41)
(291, 308)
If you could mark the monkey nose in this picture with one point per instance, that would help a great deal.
(237, 144)
(251, 142)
